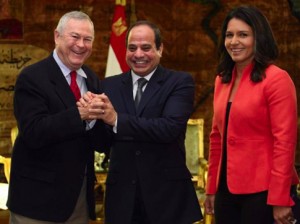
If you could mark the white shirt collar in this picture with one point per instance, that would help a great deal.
(65, 70)
(135, 77)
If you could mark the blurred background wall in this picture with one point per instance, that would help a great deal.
(190, 30)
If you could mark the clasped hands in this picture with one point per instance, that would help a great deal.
(93, 106)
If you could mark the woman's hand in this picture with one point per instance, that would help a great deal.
(209, 204)
(283, 215)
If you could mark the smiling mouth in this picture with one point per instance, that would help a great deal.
(140, 64)
(236, 50)
(77, 53)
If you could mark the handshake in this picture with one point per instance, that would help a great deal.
(96, 106)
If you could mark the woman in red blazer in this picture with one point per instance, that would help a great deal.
(254, 129)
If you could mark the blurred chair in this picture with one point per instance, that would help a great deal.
(194, 143)
(101, 173)
(4, 186)
(196, 162)
(6, 166)
(13, 134)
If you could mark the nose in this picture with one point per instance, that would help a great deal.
(80, 42)
(234, 40)
(139, 53)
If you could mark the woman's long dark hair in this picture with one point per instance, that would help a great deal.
(266, 50)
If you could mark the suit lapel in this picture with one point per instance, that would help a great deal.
(60, 84)
(91, 84)
(152, 88)
(126, 92)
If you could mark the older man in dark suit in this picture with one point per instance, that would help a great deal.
(52, 173)
(148, 181)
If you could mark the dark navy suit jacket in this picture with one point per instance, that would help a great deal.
(148, 149)
(53, 151)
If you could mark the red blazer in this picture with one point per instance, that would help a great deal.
(261, 139)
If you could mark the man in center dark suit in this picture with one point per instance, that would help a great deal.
(148, 181)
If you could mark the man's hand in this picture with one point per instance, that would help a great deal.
(83, 105)
(97, 106)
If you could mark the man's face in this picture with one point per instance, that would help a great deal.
(74, 44)
(141, 53)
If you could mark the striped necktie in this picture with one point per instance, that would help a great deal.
(139, 91)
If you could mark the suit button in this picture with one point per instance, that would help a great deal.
(137, 153)
(133, 181)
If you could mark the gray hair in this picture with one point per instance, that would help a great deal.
(77, 15)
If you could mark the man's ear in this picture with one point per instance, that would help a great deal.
(160, 50)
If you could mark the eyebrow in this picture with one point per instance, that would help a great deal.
(74, 33)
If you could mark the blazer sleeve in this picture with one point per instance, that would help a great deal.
(281, 96)
(215, 147)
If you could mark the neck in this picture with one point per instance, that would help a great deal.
(240, 68)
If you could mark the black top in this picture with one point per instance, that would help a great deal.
(223, 176)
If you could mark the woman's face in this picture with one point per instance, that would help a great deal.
(240, 42)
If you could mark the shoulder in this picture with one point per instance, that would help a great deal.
(275, 74)
(218, 79)
(173, 77)
(116, 78)
(274, 71)
(116, 81)
(42, 64)
(218, 82)
(277, 80)
(37, 70)
(89, 72)
(173, 73)
(113, 78)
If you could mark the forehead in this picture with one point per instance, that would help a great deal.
(141, 33)
(79, 26)
(238, 24)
